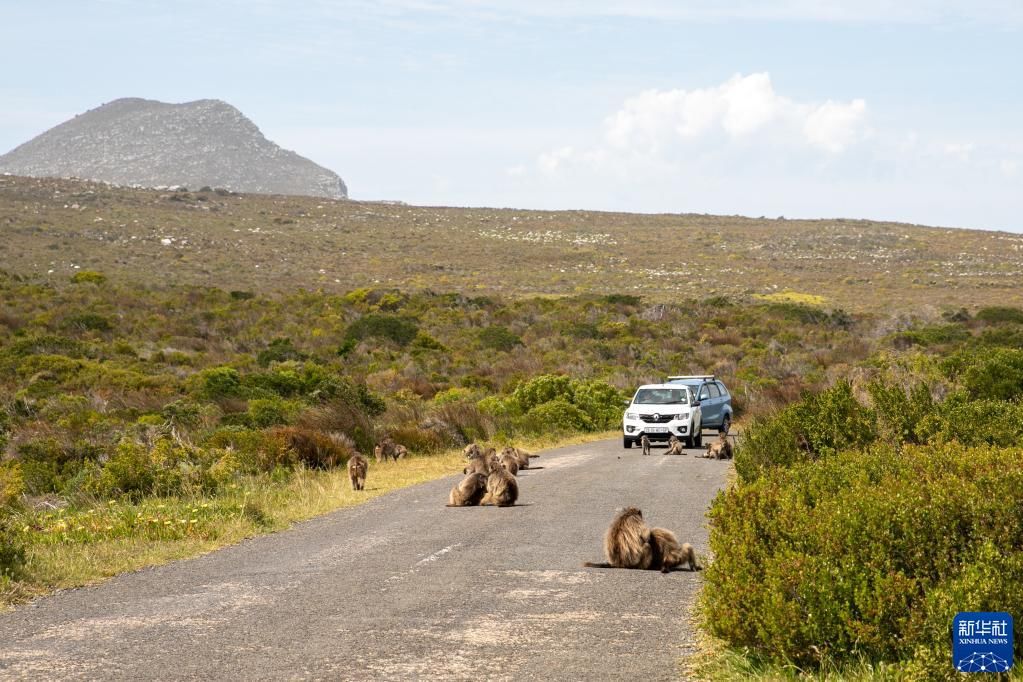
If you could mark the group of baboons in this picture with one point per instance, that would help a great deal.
(719, 449)
(384, 450)
(490, 479)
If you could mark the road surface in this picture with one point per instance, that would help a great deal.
(403, 588)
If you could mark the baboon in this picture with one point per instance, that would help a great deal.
(522, 458)
(627, 542)
(502, 489)
(719, 449)
(675, 447)
(477, 465)
(357, 466)
(469, 491)
(387, 448)
(472, 450)
(645, 442)
(669, 553)
(511, 463)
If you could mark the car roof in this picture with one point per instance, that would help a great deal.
(690, 382)
(675, 385)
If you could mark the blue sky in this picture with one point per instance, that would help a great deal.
(796, 108)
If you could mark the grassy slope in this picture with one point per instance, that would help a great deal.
(269, 243)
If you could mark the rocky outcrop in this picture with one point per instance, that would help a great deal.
(151, 144)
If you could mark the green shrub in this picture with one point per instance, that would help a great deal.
(279, 350)
(12, 483)
(866, 555)
(559, 416)
(218, 383)
(973, 422)
(12, 552)
(991, 374)
(817, 426)
(88, 277)
(931, 336)
(543, 389)
(401, 330)
(271, 412)
(500, 338)
(997, 314)
(452, 395)
(601, 401)
(88, 322)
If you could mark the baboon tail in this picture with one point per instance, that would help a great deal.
(590, 564)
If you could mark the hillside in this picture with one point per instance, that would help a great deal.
(140, 142)
(279, 243)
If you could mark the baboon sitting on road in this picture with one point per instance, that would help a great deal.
(357, 466)
(511, 463)
(627, 542)
(502, 489)
(674, 447)
(469, 491)
(630, 543)
(719, 449)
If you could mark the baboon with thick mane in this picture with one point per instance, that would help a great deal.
(502, 489)
(357, 466)
(469, 491)
(630, 543)
(627, 542)
(645, 442)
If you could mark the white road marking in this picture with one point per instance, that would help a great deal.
(422, 562)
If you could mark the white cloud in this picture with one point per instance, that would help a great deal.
(834, 126)
(1009, 167)
(743, 112)
(959, 150)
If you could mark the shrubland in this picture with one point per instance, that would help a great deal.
(867, 514)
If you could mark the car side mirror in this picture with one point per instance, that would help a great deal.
(696, 403)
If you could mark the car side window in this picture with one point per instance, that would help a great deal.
(704, 395)
(724, 391)
(714, 392)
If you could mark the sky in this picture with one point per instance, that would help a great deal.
(909, 111)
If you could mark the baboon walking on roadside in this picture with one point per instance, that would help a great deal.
(502, 489)
(357, 466)
(469, 491)
(645, 442)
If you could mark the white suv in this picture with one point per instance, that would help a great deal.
(660, 411)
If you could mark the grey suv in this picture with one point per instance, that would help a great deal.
(713, 398)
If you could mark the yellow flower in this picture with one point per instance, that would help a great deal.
(193, 520)
(110, 527)
(166, 523)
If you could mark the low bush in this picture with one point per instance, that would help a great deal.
(558, 416)
(399, 329)
(867, 555)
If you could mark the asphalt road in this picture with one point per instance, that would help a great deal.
(404, 588)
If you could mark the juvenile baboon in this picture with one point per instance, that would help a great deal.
(669, 553)
(675, 447)
(511, 463)
(477, 465)
(357, 466)
(469, 491)
(521, 457)
(400, 451)
(378, 452)
(502, 489)
(719, 449)
(645, 442)
(627, 542)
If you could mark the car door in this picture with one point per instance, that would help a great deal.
(710, 404)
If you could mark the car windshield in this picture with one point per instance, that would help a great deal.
(661, 396)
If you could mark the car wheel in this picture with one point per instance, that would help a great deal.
(688, 441)
(726, 424)
(627, 442)
(698, 439)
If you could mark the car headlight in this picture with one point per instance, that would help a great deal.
(631, 415)
(684, 415)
